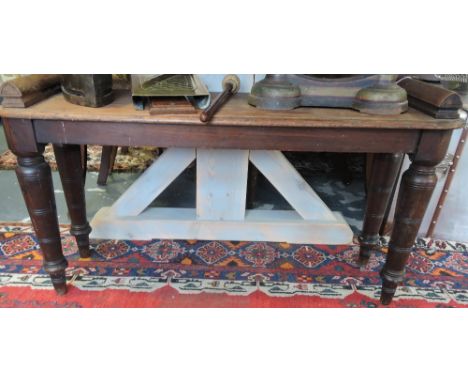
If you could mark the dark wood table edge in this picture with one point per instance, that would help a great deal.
(285, 138)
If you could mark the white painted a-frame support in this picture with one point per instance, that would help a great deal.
(289, 183)
(221, 184)
(153, 181)
(220, 212)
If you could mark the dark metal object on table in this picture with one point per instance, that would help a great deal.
(434, 100)
(92, 90)
(27, 90)
(372, 94)
(146, 87)
(231, 85)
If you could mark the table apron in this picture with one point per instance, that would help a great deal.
(366, 140)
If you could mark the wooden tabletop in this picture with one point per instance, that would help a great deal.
(237, 112)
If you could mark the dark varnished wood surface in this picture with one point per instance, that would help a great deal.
(227, 137)
(235, 113)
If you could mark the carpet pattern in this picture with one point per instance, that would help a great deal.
(137, 159)
(224, 273)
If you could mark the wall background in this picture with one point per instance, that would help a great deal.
(213, 81)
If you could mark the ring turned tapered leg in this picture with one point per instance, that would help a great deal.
(69, 164)
(417, 185)
(385, 169)
(416, 188)
(35, 179)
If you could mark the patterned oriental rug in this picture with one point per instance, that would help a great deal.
(179, 273)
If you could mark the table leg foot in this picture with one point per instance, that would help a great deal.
(367, 246)
(390, 281)
(387, 295)
(56, 271)
(59, 282)
(81, 234)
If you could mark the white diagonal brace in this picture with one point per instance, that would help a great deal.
(153, 181)
(285, 178)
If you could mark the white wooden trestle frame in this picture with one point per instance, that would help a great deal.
(220, 212)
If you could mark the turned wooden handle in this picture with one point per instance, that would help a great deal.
(231, 85)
